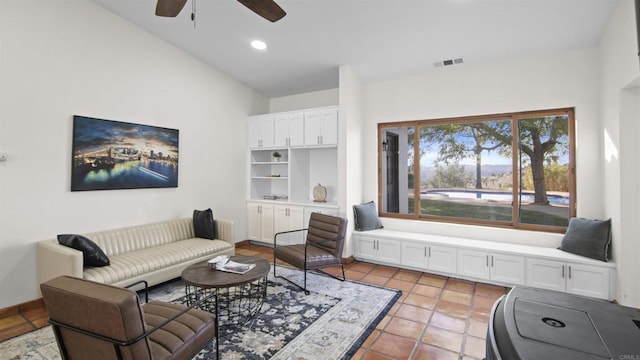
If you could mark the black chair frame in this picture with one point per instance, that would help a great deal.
(306, 245)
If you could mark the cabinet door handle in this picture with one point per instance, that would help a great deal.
(429, 251)
(425, 251)
(491, 260)
(563, 271)
(487, 258)
(569, 271)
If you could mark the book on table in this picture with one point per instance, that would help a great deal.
(223, 263)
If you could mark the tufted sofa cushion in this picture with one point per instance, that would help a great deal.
(135, 263)
(134, 238)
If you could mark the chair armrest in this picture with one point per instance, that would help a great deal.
(116, 342)
(55, 260)
(275, 237)
(225, 231)
(146, 289)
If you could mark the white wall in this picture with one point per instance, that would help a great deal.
(350, 156)
(304, 101)
(620, 99)
(63, 57)
(549, 81)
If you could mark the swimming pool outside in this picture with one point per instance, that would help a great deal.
(499, 196)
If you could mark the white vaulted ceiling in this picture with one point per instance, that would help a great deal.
(379, 39)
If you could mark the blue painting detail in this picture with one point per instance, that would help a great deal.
(111, 155)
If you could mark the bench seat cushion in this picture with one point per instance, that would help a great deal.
(131, 264)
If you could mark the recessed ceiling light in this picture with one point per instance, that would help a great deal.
(258, 44)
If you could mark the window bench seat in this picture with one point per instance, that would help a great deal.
(488, 261)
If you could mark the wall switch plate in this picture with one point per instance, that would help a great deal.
(3, 157)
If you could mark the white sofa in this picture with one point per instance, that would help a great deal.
(154, 252)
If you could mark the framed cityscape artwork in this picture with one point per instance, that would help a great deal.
(110, 155)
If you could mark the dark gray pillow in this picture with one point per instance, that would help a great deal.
(366, 217)
(590, 238)
(203, 224)
(92, 255)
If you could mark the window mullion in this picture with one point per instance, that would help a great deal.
(417, 203)
(515, 153)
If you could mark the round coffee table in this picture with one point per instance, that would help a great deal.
(239, 296)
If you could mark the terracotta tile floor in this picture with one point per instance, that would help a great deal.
(435, 318)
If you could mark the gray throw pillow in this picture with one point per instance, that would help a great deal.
(590, 238)
(92, 255)
(203, 224)
(366, 217)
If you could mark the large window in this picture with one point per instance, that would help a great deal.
(510, 170)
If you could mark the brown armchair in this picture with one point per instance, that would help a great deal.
(322, 248)
(98, 321)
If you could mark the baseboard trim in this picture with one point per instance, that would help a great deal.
(21, 308)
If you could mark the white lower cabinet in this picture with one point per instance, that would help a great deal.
(429, 257)
(573, 278)
(382, 250)
(309, 210)
(498, 263)
(503, 268)
(288, 218)
(265, 219)
(260, 222)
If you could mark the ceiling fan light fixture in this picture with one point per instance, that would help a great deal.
(258, 45)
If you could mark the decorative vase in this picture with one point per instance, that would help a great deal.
(319, 193)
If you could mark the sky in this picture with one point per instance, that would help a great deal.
(96, 134)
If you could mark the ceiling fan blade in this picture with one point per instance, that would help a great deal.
(169, 8)
(268, 9)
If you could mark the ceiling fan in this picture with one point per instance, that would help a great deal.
(268, 9)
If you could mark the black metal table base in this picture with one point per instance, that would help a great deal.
(236, 305)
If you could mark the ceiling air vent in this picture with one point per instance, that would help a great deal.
(448, 62)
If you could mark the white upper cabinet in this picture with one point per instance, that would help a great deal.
(261, 131)
(289, 129)
(321, 127)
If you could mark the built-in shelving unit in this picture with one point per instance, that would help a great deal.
(307, 141)
(269, 176)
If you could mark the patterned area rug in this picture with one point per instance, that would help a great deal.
(329, 323)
